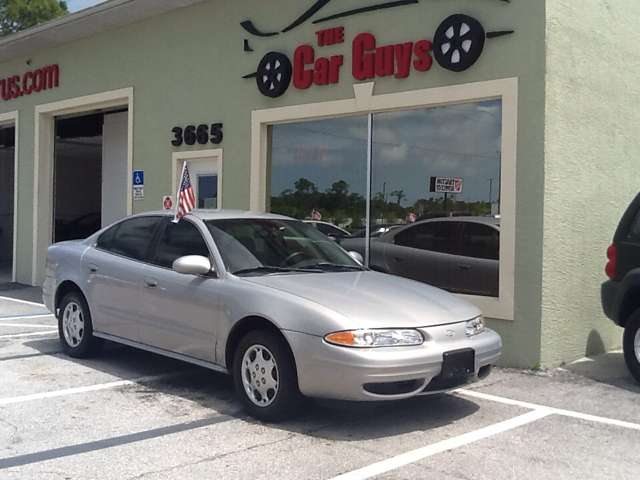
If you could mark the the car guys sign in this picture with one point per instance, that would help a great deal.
(456, 46)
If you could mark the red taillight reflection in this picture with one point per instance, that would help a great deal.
(610, 269)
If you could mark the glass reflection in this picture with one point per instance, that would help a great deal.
(318, 171)
(429, 166)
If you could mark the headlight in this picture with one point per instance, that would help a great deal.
(376, 338)
(475, 326)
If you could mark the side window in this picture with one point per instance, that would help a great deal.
(130, 238)
(329, 230)
(480, 241)
(634, 231)
(432, 236)
(104, 241)
(178, 240)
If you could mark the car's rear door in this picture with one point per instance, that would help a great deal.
(476, 266)
(627, 240)
(423, 252)
(179, 312)
(113, 269)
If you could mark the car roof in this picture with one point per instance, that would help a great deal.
(485, 220)
(220, 214)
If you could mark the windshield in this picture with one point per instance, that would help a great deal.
(271, 245)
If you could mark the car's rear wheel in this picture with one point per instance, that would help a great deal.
(265, 376)
(631, 344)
(76, 328)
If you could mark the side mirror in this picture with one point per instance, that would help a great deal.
(357, 257)
(193, 265)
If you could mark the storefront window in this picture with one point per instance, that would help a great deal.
(435, 189)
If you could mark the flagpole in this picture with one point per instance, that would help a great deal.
(175, 217)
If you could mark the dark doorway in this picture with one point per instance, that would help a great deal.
(7, 166)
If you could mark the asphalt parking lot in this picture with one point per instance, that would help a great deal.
(134, 415)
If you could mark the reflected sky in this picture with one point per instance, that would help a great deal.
(461, 141)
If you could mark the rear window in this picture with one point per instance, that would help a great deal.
(634, 231)
(130, 238)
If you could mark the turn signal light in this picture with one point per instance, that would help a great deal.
(342, 338)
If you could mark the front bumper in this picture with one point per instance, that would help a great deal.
(370, 374)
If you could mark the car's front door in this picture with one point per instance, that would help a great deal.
(477, 263)
(113, 274)
(179, 312)
(423, 252)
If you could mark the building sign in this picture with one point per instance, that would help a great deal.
(456, 46)
(446, 185)
(36, 81)
(167, 203)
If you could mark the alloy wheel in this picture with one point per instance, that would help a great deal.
(73, 324)
(260, 375)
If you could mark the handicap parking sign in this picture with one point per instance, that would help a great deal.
(138, 178)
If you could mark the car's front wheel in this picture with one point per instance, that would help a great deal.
(265, 376)
(76, 328)
(631, 344)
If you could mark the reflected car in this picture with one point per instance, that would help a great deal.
(269, 300)
(458, 254)
(329, 229)
(376, 230)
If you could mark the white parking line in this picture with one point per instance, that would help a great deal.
(24, 325)
(22, 301)
(443, 446)
(557, 411)
(19, 335)
(23, 316)
(90, 388)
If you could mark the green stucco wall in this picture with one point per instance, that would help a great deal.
(591, 165)
(186, 68)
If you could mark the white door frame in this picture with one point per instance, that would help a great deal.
(198, 156)
(44, 159)
(12, 119)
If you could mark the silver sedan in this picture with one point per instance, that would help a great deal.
(269, 300)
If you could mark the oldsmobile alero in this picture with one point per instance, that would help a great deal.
(269, 300)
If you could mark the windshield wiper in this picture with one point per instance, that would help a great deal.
(268, 269)
(340, 265)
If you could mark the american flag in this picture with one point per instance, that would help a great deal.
(186, 195)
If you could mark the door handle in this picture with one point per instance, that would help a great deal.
(150, 282)
(463, 267)
(93, 268)
(398, 258)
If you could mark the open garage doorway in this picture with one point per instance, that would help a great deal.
(90, 173)
(7, 209)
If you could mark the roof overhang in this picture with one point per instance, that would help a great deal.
(84, 23)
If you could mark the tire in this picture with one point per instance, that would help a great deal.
(458, 42)
(75, 327)
(274, 74)
(278, 396)
(631, 344)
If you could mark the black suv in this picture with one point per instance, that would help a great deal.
(621, 294)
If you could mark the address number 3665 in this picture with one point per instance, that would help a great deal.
(201, 134)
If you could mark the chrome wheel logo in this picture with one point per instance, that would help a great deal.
(450, 333)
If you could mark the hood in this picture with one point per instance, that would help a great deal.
(374, 300)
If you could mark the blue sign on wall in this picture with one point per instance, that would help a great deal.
(138, 178)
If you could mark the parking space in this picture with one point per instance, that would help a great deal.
(129, 414)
